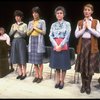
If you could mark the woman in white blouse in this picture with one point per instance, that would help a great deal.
(87, 32)
(19, 48)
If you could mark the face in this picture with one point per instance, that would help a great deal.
(87, 12)
(59, 15)
(35, 15)
(18, 18)
(1, 31)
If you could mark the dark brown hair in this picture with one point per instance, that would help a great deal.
(18, 13)
(37, 10)
(60, 8)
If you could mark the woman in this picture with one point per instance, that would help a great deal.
(36, 31)
(19, 48)
(87, 32)
(4, 36)
(60, 58)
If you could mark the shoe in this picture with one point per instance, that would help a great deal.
(35, 79)
(39, 80)
(57, 85)
(23, 77)
(82, 89)
(88, 90)
(19, 76)
(61, 86)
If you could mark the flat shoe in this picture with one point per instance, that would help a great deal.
(39, 80)
(19, 76)
(35, 79)
(23, 77)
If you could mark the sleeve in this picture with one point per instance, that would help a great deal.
(22, 30)
(96, 32)
(8, 39)
(29, 28)
(79, 32)
(43, 30)
(67, 32)
(12, 30)
(51, 36)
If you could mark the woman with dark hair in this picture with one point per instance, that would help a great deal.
(36, 48)
(59, 37)
(88, 59)
(19, 48)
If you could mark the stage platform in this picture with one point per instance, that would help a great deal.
(10, 87)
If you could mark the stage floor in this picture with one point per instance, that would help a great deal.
(10, 87)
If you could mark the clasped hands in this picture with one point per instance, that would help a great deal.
(86, 25)
(57, 48)
(16, 27)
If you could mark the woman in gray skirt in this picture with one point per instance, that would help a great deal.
(59, 37)
(36, 48)
(19, 48)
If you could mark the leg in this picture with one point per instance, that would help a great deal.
(40, 73)
(57, 78)
(62, 79)
(24, 69)
(83, 78)
(88, 84)
(19, 71)
(36, 72)
(23, 72)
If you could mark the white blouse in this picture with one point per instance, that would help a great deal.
(86, 33)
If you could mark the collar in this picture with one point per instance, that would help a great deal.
(60, 22)
(19, 23)
(90, 19)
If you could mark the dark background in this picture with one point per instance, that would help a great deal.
(74, 12)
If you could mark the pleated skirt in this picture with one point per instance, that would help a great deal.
(34, 57)
(19, 54)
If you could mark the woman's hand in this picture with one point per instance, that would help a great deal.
(58, 48)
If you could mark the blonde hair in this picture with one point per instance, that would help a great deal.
(90, 6)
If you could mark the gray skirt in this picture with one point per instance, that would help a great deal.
(34, 57)
(19, 51)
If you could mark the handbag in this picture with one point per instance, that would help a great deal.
(58, 41)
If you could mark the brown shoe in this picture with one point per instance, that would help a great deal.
(82, 89)
(35, 79)
(88, 90)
